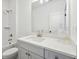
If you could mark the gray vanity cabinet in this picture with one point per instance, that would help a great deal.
(25, 54)
(30, 51)
(55, 55)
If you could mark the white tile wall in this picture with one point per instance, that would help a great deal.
(12, 19)
(5, 21)
(9, 19)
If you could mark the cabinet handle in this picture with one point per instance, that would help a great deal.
(7, 27)
(10, 40)
(26, 53)
(56, 57)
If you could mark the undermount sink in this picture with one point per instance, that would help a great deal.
(36, 39)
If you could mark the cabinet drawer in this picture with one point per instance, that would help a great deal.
(33, 48)
(55, 55)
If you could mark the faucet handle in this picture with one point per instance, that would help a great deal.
(42, 31)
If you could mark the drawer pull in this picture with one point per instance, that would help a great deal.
(10, 40)
(26, 53)
(56, 57)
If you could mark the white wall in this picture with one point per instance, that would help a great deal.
(73, 20)
(23, 17)
(5, 32)
(12, 19)
(9, 20)
(19, 20)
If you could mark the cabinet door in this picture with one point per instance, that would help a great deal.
(23, 53)
(49, 55)
(34, 56)
(55, 55)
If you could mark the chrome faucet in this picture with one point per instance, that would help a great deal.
(39, 34)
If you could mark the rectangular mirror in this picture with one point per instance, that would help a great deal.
(50, 16)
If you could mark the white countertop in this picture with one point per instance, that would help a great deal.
(59, 45)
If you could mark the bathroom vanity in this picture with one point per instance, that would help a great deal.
(31, 47)
(45, 16)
